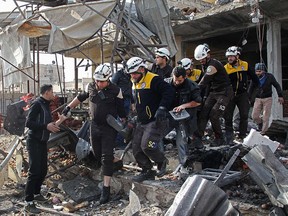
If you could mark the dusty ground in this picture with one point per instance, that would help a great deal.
(244, 194)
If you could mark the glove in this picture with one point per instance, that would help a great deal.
(161, 114)
(66, 110)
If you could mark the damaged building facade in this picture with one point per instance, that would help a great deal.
(259, 27)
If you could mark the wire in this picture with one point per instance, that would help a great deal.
(260, 36)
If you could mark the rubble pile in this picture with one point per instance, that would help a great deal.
(73, 186)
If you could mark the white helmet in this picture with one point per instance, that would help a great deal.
(163, 52)
(102, 72)
(201, 52)
(186, 63)
(133, 64)
(232, 51)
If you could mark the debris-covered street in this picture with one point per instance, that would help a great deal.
(75, 190)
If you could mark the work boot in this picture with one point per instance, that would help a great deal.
(162, 168)
(31, 208)
(105, 195)
(229, 138)
(40, 198)
(145, 175)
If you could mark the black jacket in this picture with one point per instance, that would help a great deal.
(185, 93)
(239, 77)
(150, 93)
(39, 116)
(216, 81)
(265, 90)
(104, 102)
(164, 72)
(122, 80)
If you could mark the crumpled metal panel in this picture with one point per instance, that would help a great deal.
(200, 197)
(156, 17)
(65, 137)
(269, 173)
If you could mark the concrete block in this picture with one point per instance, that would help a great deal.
(254, 138)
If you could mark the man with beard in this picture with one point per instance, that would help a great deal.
(104, 98)
(191, 73)
(153, 98)
(238, 72)
(187, 97)
(220, 93)
(263, 100)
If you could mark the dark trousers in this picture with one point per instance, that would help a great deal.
(145, 144)
(242, 102)
(213, 109)
(37, 152)
(103, 142)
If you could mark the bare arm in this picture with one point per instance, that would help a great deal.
(190, 104)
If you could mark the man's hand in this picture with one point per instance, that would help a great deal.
(53, 127)
(66, 110)
(161, 114)
(281, 100)
(61, 118)
(179, 108)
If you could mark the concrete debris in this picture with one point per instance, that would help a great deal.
(81, 189)
(222, 2)
(254, 138)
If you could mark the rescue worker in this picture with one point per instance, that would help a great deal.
(191, 73)
(187, 97)
(161, 67)
(104, 98)
(153, 98)
(220, 92)
(238, 72)
(263, 100)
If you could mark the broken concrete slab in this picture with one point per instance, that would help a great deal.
(81, 189)
(255, 138)
(269, 173)
(160, 192)
(199, 197)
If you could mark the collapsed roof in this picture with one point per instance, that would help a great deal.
(102, 22)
